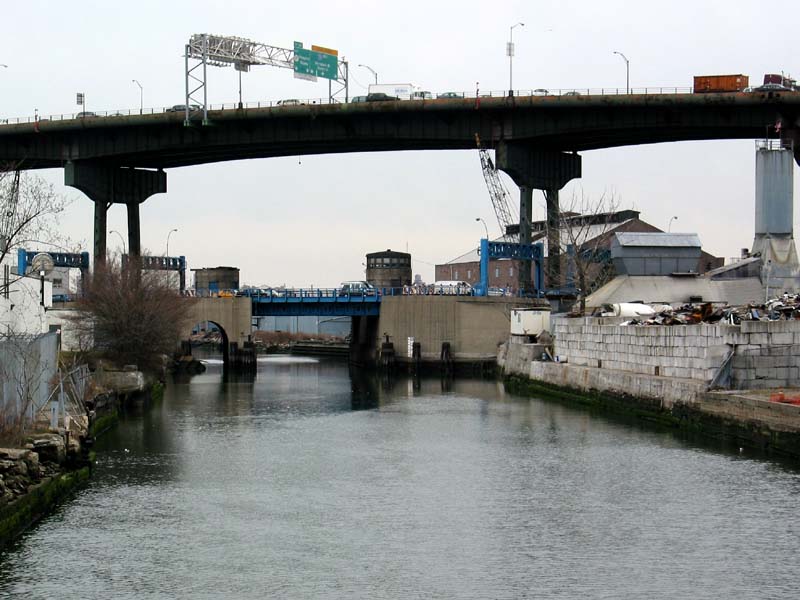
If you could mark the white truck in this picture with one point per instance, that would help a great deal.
(403, 91)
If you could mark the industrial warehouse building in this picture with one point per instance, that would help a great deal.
(591, 232)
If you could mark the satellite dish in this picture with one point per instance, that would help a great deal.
(42, 262)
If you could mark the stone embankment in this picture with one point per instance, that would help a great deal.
(715, 379)
(51, 465)
(37, 477)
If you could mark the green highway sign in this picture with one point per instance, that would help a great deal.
(315, 64)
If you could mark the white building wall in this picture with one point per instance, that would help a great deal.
(21, 312)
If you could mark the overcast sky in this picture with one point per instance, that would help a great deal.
(311, 221)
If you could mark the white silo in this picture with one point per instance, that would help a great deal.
(774, 236)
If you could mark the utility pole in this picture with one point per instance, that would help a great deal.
(510, 52)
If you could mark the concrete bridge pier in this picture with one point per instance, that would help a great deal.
(108, 184)
(546, 170)
(363, 340)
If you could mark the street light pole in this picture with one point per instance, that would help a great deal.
(485, 228)
(669, 226)
(141, 96)
(169, 234)
(122, 239)
(371, 70)
(510, 52)
(627, 72)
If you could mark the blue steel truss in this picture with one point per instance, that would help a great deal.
(163, 263)
(73, 260)
(532, 252)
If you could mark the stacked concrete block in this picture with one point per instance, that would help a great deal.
(766, 353)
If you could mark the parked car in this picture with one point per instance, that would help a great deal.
(358, 99)
(381, 97)
(450, 95)
(62, 298)
(289, 102)
(541, 92)
(357, 288)
(452, 288)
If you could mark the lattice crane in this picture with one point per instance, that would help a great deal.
(501, 199)
(9, 212)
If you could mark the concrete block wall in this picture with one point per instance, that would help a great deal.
(766, 353)
(686, 352)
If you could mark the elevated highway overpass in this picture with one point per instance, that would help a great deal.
(121, 159)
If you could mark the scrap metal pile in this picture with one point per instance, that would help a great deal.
(785, 307)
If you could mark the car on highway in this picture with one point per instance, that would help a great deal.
(772, 87)
(450, 95)
(182, 108)
(289, 102)
(381, 97)
(572, 93)
(358, 99)
(541, 92)
(84, 114)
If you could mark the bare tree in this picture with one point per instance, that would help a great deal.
(29, 210)
(586, 230)
(133, 316)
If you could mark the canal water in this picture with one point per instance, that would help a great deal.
(308, 482)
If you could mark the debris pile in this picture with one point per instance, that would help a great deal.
(785, 307)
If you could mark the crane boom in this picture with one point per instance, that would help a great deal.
(497, 192)
(9, 211)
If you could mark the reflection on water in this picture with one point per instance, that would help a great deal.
(310, 481)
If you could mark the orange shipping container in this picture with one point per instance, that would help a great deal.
(720, 83)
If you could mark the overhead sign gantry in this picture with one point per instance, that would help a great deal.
(222, 51)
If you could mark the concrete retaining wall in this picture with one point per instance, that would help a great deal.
(744, 417)
(474, 326)
(766, 353)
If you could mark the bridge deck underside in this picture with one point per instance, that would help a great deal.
(560, 123)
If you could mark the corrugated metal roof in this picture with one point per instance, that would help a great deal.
(669, 240)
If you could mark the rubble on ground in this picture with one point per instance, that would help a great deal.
(782, 308)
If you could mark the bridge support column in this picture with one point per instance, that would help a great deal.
(100, 228)
(134, 230)
(106, 185)
(525, 219)
(553, 239)
(547, 170)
